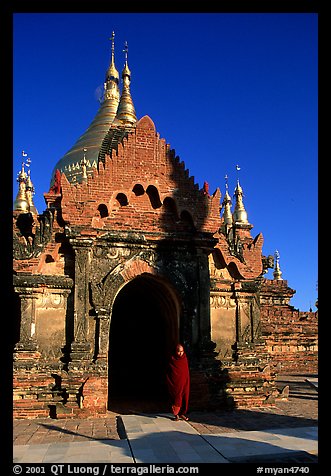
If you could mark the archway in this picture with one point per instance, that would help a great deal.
(143, 330)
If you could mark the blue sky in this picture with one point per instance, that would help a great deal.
(222, 89)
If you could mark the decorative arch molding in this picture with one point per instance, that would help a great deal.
(138, 266)
(124, 273)
(104, 292)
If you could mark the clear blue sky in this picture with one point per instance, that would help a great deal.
(222, 89)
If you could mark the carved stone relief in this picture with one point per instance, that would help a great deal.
(219, 301)
(50, 299)
(29, 241)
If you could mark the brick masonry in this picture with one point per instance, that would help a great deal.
(291, 335)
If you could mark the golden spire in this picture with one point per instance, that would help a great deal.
(277, 272)
(126, 70)
(93, 137)
(239, 214)
(126, 113)
(29, 194)
(112, 76)
(226, 205)
(21, 203)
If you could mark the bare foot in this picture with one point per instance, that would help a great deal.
(183, 417)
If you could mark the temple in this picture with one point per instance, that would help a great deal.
(131, 256)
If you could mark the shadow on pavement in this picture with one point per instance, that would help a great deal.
(163, 447)
(246, 420)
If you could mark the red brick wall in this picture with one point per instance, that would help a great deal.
(143, 159)
(291, 335)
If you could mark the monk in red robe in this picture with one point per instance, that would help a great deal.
(178, 381)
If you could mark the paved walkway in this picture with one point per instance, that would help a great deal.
(286, 433)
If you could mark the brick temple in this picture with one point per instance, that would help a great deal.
(131, 256)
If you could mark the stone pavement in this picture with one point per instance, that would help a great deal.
(286, 433)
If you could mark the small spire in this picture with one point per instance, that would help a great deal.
(112, 73)
(111, 89)
(277, 272)
(126, 113)
(226, 205)
(83, 164)
(29, 188)
(21, 203)
(30, 191)
(239, 214)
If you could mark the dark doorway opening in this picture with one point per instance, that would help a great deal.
(143, 330)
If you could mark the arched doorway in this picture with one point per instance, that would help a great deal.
(143, 330)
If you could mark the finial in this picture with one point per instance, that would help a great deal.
(126, 51)
(126, 73)
(237, 169)
(226, 182)
(112, 39)
(112, 62)
(227, 197)
(28, 162)
(277, 272)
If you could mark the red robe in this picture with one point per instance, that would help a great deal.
(178, 381)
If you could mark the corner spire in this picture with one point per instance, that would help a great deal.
(24, 202)
(30, 191)
(239, 214)
(277, 272)
(21, 203)
(226, 205)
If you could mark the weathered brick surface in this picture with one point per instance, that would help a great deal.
(132, 185)
(291, 335)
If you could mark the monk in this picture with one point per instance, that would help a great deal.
(178, 382)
